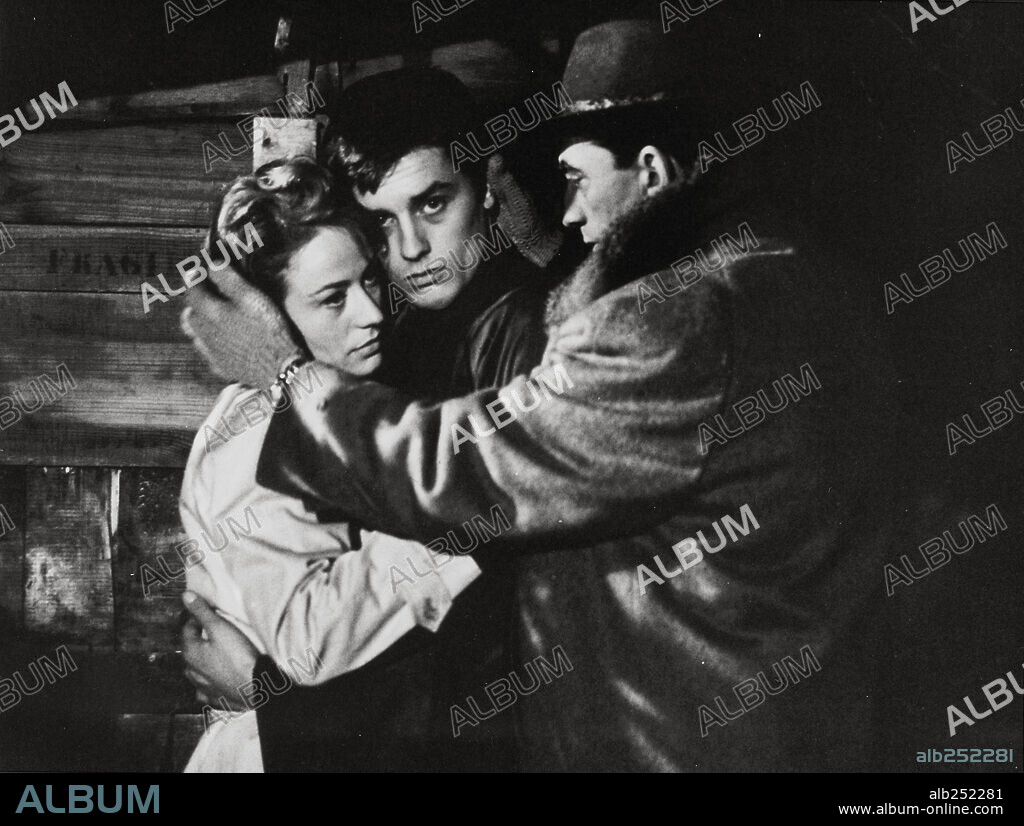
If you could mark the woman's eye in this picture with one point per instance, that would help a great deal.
(434, 206)
(335, 299)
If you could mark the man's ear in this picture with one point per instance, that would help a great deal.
(657, 169)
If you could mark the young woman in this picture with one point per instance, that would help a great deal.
(320, 596)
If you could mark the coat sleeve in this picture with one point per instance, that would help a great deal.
(326, 617)
(291, 584)
(597, 444)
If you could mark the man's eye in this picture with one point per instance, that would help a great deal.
(372, 277)
(434, 206)
(384, 220)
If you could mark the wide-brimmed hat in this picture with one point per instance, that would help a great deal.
(623, 63)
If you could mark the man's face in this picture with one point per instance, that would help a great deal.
(429, 212)
(597, 193)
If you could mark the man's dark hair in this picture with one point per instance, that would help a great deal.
(384, 117)
(624, 132)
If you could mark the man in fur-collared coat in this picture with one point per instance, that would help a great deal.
(694, 499)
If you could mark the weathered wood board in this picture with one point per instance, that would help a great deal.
(128, 175)
(93, 259)
(236, 97)
(67, 555)
(139, 394)
(12, 543)
(276, 138)
(157, 742)
(493, 71)
(149, 577)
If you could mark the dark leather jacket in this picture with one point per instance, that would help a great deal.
(490, 333)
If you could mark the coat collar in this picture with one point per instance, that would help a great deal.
(645, 240)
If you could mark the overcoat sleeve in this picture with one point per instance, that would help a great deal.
(596, 444)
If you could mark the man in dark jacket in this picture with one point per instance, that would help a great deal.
(466, 306)
(466, 312)
(699, 494)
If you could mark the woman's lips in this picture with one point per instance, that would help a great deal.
(369, 348)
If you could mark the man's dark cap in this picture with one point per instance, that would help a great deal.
(623, 63)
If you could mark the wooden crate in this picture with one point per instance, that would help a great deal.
(111, 195)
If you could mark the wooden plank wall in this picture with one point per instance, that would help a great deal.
(104, 197)
(94, 210)
(99, 200)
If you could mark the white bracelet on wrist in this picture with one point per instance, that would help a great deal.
(289, 370)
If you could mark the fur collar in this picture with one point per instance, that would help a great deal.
(643, 241)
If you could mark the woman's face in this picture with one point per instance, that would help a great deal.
(332, 294)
